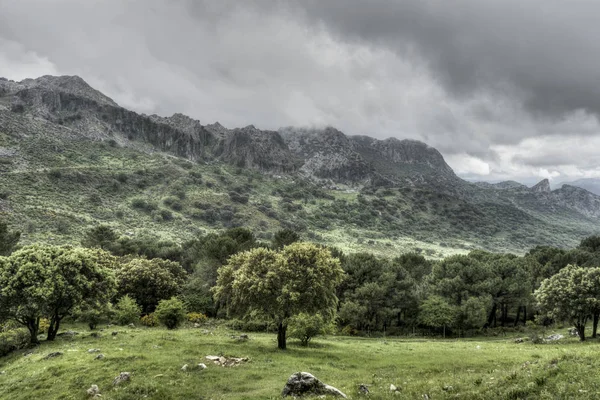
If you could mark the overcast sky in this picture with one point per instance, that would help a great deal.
(505, 89)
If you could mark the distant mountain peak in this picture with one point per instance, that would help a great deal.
(543, 186)
(72, 84)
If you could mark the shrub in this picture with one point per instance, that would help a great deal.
(13, 339)
(149, 320)
(143, 205)
(305, 327)
(238, 198)
(196, 318)
(127, 311)
(170, 313)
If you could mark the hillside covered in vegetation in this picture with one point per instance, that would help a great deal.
(71, 158)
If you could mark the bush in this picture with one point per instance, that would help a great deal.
(127, 311)
(13, 339)
(170, 313)
(149, 320)
(196, 318)
(305, 327)
(143, 205)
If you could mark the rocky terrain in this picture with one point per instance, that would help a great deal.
(410, 191)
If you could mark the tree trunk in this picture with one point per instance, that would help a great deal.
(492, 315)
(33, 325)
(524, 315)
(444, 331)
(53, 328)
(281, 339)
(595, 326)
(581, 331)
(518, 315)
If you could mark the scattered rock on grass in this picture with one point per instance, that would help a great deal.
(519, 340)
(554, 337)
(363, 389)
(226, 361)
(94, 351)
(303, 383)
(53, 355)
(184, 368)
(94, 391)
(99, 357)
(123, 377)
(202, 366)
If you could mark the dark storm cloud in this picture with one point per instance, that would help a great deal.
(548, 49)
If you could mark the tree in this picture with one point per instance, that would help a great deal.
(573, 294)
(49, 281)
(436, 312)
(149, 281)
(283, 238)
(301, 278)
(102, 236)
(8, 239)
(170, 313)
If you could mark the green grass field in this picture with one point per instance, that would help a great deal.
(494, 368)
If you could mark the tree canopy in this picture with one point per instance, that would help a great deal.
(49, 281)
(301, 278)
(573, 294)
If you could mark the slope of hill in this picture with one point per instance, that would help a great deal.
(71, 158)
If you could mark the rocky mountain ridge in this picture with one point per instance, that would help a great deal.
(67, 107)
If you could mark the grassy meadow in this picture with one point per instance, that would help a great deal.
(482, 368)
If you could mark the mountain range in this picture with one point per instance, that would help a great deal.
(71, 157)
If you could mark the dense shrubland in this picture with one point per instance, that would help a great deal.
(295, 288)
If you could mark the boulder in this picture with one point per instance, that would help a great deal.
(202, 366)
(123, 377)
(99, 357)
(303, 383)
(554, 337)
(94, 351)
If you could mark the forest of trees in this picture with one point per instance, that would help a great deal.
(291, 287)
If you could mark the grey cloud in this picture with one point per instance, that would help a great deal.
(473, 78)
(545, 48)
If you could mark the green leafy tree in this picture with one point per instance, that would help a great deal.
(171, 313)
(101, 236)
(436, 312)
(49, 281)
(127, 311)
(8, 239)
(301, 278)
(283, 238)
(573, 294)
(149, 281)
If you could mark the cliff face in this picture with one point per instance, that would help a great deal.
(327, 154)
(252, 148)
